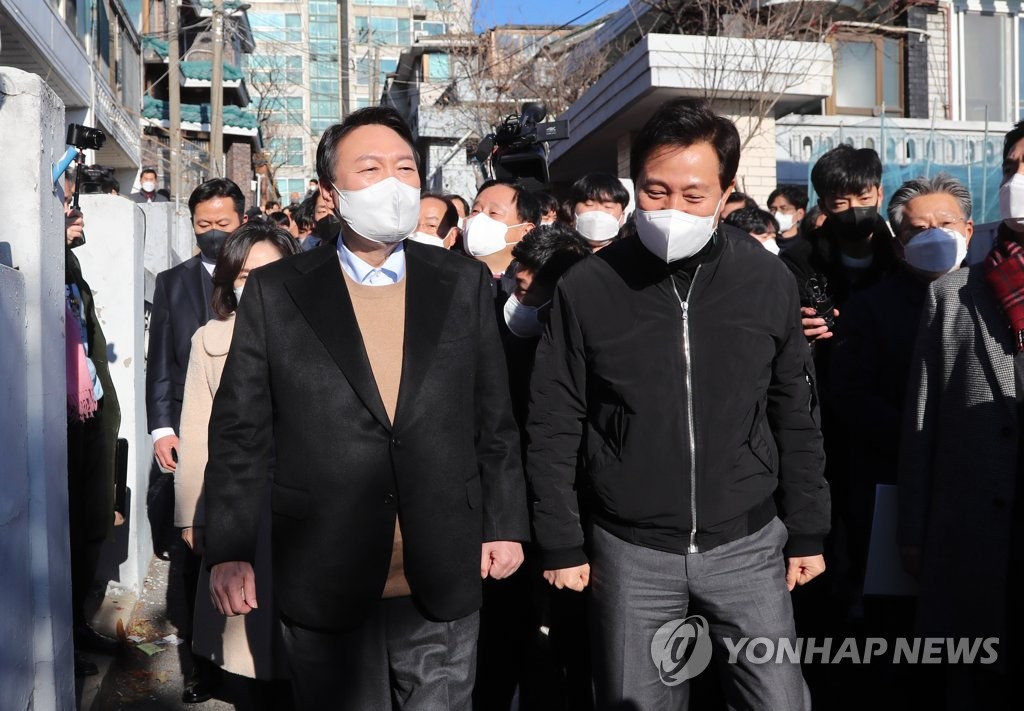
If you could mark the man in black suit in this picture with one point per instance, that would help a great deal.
(367, 379)
(181, 304)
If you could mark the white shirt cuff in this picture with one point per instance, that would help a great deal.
(161, 432)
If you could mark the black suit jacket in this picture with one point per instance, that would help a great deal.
(180, 306)
(298, 401)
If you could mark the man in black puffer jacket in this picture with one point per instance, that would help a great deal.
(676, 366)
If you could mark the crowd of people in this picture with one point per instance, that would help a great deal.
(439, 453)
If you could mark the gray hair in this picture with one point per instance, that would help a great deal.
(918, 187)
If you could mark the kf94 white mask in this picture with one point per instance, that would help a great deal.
(597, 226)
(672, 234)
(385, 212)
(484, 235)
(785, 220)
(424, 238)
(935, 251)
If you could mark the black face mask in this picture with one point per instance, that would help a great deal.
(210, 243)
(327, 228)
(856, 223)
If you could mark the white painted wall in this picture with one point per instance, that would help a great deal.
(32, 135)
(16, 619)
(169, 239)
(112, 264)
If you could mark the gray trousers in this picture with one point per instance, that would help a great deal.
(397, 659)
(739, 587)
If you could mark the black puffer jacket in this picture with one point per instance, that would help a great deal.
(633, 348)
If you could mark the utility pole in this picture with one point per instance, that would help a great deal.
(174, 95)
(375, 77)
(343, 45)
(217, 92)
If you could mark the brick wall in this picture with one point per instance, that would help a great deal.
(916, 75)
(938, 64)
(239, 169)
(756, 174)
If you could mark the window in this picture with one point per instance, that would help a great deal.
(869, 73)
(422, 28)
(282, 109)
(287, 151)
(275, 69)
(986, 78)
(287, 186)
(438, 67)
(388, 3)
(276, 26)
(383, 30)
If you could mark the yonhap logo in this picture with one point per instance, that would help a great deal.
(681, 649)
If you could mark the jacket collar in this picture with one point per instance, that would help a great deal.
(321, 294)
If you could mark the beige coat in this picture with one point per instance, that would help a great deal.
(244, 645)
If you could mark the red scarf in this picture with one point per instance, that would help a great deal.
(1004, 272)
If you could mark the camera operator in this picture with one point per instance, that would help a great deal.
(93, 420)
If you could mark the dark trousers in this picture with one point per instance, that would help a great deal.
(396, 659)
(739, 587)
(90, 504)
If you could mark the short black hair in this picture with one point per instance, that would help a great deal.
(527, 203)
(215, 188)
(254, 213)
(385, 116)
(232, 259)
(846, 170)
(682, 123)
(737, 196)
(305, 214)
(269, 203)
(147, 169)
(548, 203)
(794, 194)
(458, 198)
(549, 250)
(753, 220)
(1011, 138)
(601, 187)
(110, 184)
(451, 215)
(280, 219)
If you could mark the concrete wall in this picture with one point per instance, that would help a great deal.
(756, 175)
(169, 240)
(112, 263)
(16, 620)
(32, 131)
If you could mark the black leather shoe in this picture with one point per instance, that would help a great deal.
(197, 691)
(85, 666)
(89, 639)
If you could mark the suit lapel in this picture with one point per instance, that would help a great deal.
(428, 290)
(995, 335)
(323, 299)
(197, 290)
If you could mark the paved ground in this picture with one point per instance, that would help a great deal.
(137, 680)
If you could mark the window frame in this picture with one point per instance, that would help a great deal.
(832, 106)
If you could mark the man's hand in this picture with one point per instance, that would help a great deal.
(814, 327)
(500, 559)
(573, 578)
(233, 588)
(800, 571)
(164, 449)
(74, 225)
(194, 538)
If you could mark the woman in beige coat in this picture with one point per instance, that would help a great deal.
(243, 645)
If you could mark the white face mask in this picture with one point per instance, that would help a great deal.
(238, 293)
(672, 234)
(522, 320)
(546, 222)
(424, 238)
(484, 235)
(785, 220)
(1011, 202)
(596, 226)
(148, 186)
(935, 251)
(771, 245)
(385, 212)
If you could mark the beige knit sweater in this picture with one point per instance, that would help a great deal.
(380, 312)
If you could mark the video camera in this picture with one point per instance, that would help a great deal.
(518, 149)
(79, 139)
